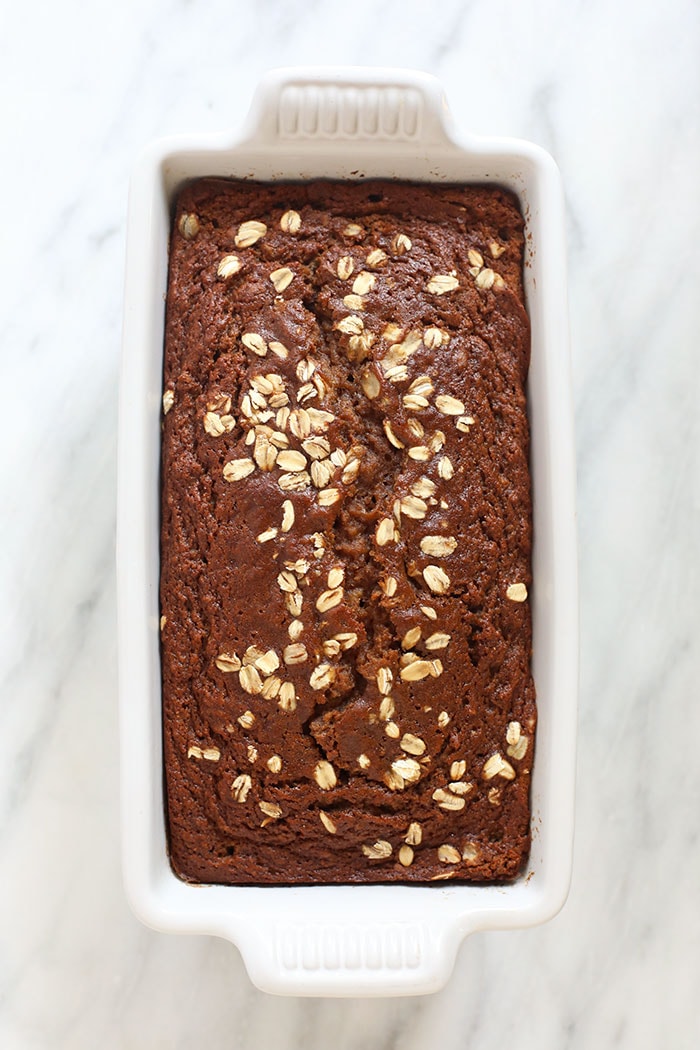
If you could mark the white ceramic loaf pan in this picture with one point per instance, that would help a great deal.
(347, 940)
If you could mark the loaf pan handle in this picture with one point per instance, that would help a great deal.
(349, 104)
(341, 958)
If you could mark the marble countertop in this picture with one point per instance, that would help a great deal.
(613, 91)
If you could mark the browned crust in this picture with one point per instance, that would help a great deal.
(219, 584)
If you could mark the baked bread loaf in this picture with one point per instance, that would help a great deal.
(346, 534)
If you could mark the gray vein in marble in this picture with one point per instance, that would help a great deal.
(451, 37)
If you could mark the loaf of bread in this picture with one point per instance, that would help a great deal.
(346, 534)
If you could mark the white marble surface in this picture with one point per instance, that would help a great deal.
(612, 88)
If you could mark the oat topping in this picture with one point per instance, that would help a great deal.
(386, 532)
(250, 679)
(216, 425)
(411, 637)
(389, 586)
(354, 302)
(414, 507)
(282, 278)
(513, 733)
(292, 461)
(448, 800)
(254, 342)
(327, 821)
(416, 671)
(228, 662)
(364, 282)
(286, 581)
(322, 676)
(516, 740)
(370, 384)
(414, 835)
(449, 406)
(394, 781)
(438, 640)
(293, 602)
(437, 579)
(517, 592)
(294, 482)
(384, 680)
(346, 639)
(291, 222)
(408, 769)
(237, 469)
(424, 488)
(287, 697)
(445, 468)
(264, 453)
(434, 338)
(287, 515)
(414, 402)
(270, 809)
(278, 349)
(376, 258)
(401, 244)
(389, 431)
(442, 283)
(484, 279)
(325, 776)
(267, 662)
(241, 787)
(406, 856)
(228, 266)
(498, 766)
(438, 546)
(329, 599)
(249, 233)
(209, 754)
(271, 687)
(188, 225)
(350, 325)
(421, 453)
(380, 850)
(345, 267)
(413, 745)
(321, 473)
(448, 855)
(295, 654)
